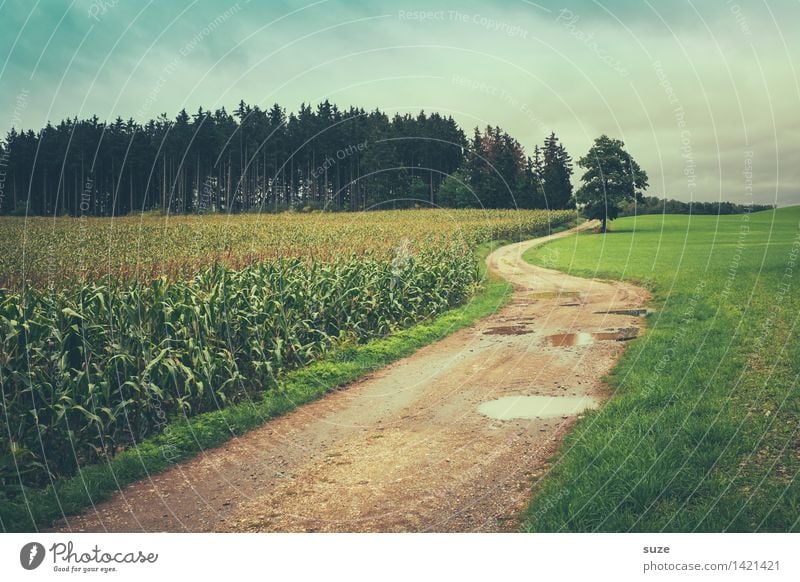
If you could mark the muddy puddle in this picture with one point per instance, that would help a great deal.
(586, 338)
(637, 312)
(529, 407)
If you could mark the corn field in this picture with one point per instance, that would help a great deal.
(94, 360)
(48, 253)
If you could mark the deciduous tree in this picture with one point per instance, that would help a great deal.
(612, 177)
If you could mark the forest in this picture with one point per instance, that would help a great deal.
(267, 160)
(655, 205)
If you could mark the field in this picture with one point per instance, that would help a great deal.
(105, 344)
(702, 431)
(47, 253)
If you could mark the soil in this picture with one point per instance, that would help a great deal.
(405, 449)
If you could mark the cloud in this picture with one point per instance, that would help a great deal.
(645, 72)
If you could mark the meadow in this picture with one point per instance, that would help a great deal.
(701, 433)
(210, 324)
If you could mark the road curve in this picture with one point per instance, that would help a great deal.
(406, 448)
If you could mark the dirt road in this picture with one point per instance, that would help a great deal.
(438, 441)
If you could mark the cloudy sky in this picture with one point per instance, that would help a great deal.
(700, 91)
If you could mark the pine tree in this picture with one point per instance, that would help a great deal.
(555, 173)
(254, 159)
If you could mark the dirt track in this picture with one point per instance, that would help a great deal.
(406, 448)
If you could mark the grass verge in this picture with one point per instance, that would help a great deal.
(184, 438)
(702, 432)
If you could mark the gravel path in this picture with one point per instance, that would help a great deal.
(406, 448)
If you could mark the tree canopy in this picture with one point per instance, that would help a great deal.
(553, 168)
(268, 159)
(253, 159)
(612, 178)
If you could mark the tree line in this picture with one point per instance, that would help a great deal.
(655, 205)
(265, 159)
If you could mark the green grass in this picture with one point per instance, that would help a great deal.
(186, 437)
(702, 432)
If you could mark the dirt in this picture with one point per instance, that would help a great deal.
(405, 449)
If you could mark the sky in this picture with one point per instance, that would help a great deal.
(705, 94)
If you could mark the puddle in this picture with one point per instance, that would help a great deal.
(638, 312)
(620, 335)
(585, 338)
(511, 407)
(570, 339)
(508, 330)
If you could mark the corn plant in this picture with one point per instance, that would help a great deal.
(89, 368)
(96, 368)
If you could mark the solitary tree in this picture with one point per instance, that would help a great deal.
(611, 178)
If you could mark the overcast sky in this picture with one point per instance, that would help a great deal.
(699, 91)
